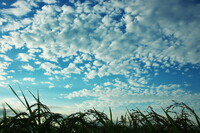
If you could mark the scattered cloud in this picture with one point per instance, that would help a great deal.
(3, 84)
(123, 96)
(11, 71)
(78, 60)
(72, 68)
(97, 63)
(47, 1)
(130, 39)
(29, 79)
(19, 8)
(6, 58)
(3, 67)
(16, 81)
(25, 57)
(4, 46)
(115, 41)
(51, 78)
(68, 86)
(51, 85)
(38, 62)
(91, 74)
(86, 57)
(46, 82)
(3, 3)
(49, 67)
(28, 67)
(2, 78)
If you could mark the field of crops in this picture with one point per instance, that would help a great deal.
(38, 118)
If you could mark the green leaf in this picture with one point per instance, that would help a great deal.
(12, 109)
(173, 123)
(27, 104)
(17, 96)
(4, 112)
(150, 125)
(110, 115)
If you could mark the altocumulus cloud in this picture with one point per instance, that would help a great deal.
(124, 41)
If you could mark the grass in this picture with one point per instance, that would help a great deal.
(38, 118)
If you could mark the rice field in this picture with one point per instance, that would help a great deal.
(38, 118)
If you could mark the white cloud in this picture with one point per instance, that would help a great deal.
(29, 79)
(134, 83)
(172, 23)
(20, 8)
(51, 85)
(6, 58)
(38, 62)
(11, 26)
(3, 3)
(51, 78)
(97, 63)
(72, 68)
(78, 60)
(48, 55)
(123, 96)
(86, 57)
(28, 67)
(2, 20)
(25, 57)
(11, 71)
(49, 67)
(69, 44)
(26, 21)
(91, 74)
(107, 83)
(4, 46)
(16, 81)
(115, 46)
(169, 86)
(3, 84)
(106, 20)
(9, 77)
(15, 41)
(2, 78)
(32, 51)
(88, 66)
(47, 1)
(3, 66)
(103, 71)
(46, 82)
(68, 86)
(62, 31)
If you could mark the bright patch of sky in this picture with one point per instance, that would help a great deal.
(81, 54)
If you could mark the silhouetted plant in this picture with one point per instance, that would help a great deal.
(38, 118)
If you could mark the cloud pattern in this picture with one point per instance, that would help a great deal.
(99, 39)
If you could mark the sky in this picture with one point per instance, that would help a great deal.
(80, 54)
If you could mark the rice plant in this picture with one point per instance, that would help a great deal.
(38, 118)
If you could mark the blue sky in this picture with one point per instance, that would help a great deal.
(81, 54)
